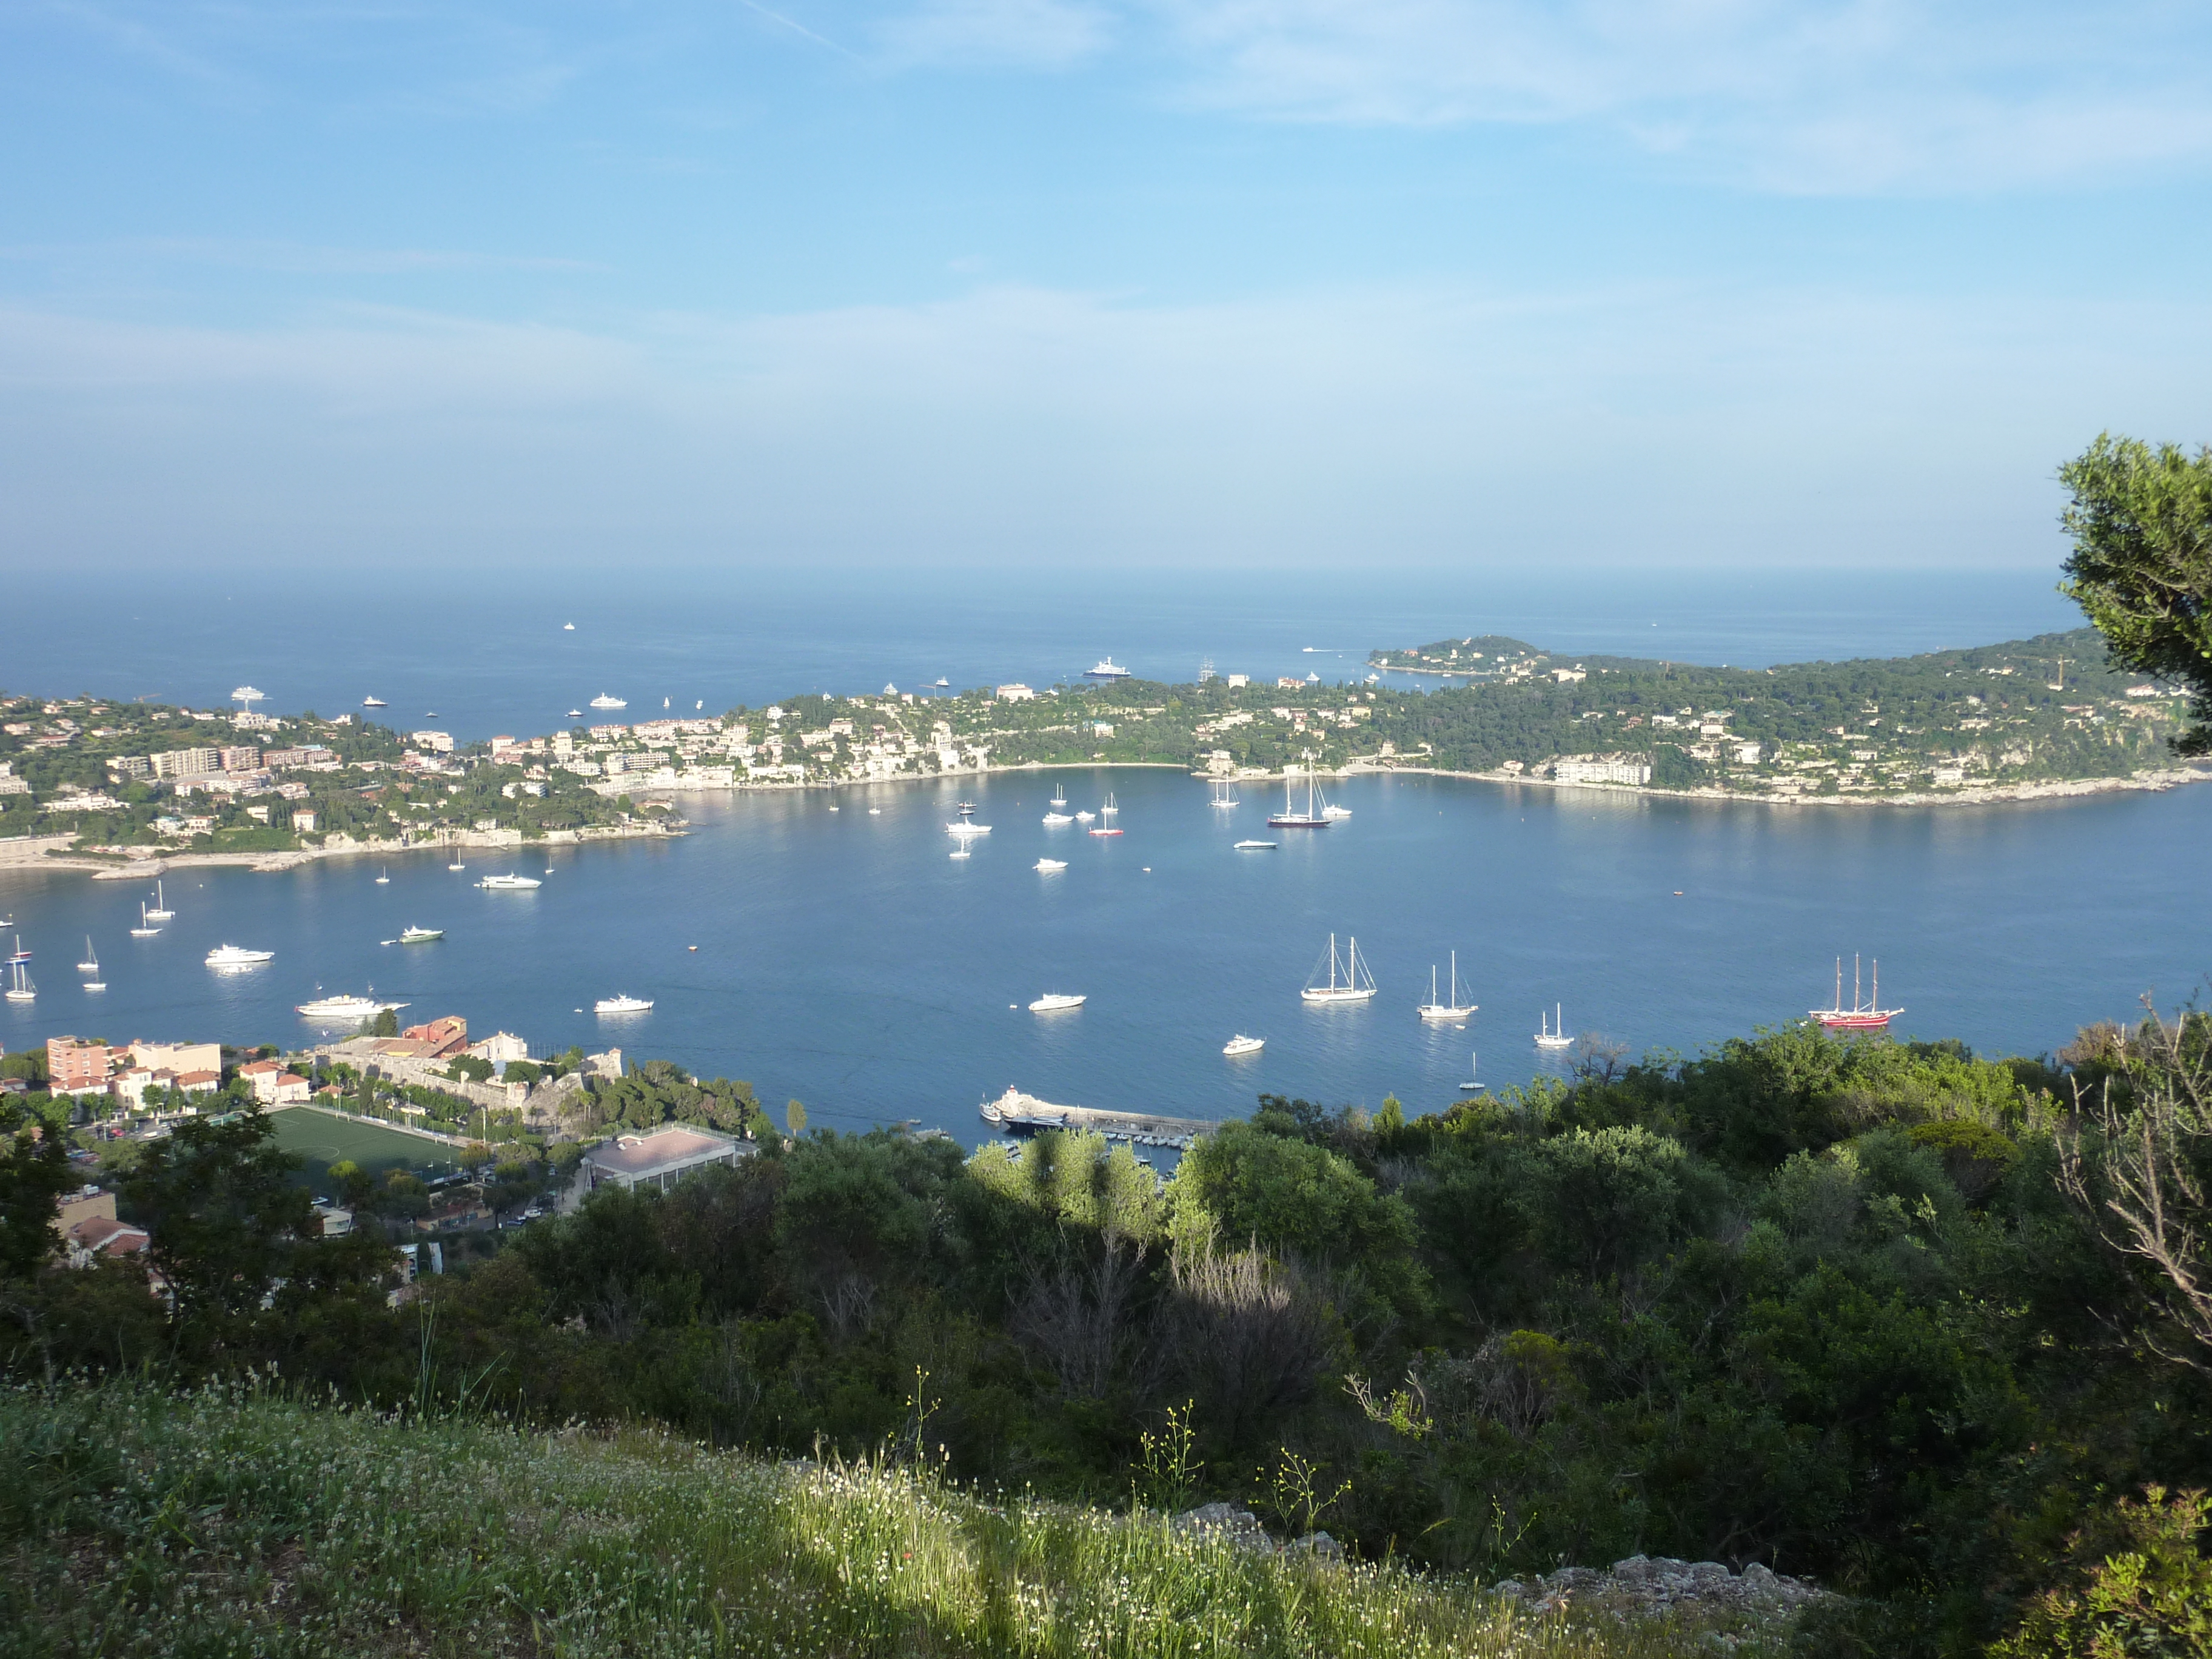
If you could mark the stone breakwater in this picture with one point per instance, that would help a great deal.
(1642, 1584)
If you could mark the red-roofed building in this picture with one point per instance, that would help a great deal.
(447, 1036)
(76, 1067)
(98, 1235)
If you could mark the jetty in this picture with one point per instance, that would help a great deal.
(1015, 1110)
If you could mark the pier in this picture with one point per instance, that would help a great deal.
(1015, 1110)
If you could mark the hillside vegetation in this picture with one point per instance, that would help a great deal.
(235, 1520)
(1859, 1311)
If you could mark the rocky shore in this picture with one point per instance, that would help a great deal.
(137, 863)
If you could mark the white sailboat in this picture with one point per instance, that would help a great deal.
(143, 930)
(1059, 794)
(1224, 793)
(1350, 983)
(1109, 810)
(965, 825)
(384, 878)
(1454, 1009)
(1472, 1087)
(91, 962)
(1553, 1034)
(160, 912)
(20, 988)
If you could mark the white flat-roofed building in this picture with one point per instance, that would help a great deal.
(660, 1157)
(1601, 771)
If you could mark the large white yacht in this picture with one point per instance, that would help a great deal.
(1108, 669)
(1351, 983)
(345, 1007)
(604, 701)
(502, 884)
(1053, 1001)
(226, 957)
(622, 1005)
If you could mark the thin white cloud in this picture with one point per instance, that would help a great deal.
(1441, 424)
(1847, 95)
(1035, 34)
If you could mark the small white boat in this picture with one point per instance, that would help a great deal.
(1455, 1009)
(1332, 811)
(622, 1005)
(419, 935)
(1552, 1033)
(1049, 865)
(457, 864)
(344, 1008)
(95, 985)
(1254, 846)
(959, 852)
(143, 930)
(1087, 816)
(91, 962)
(372, 702)
(1058, 818)
(1054, 1001)
(508, 883)
(384, 878)
(575, 714)
(833, 807)
(229, 958)
(875, 812)
(940, 682)
(160, 912)
(1241, 1044)
(1350, 983)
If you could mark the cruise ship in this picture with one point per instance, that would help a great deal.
(344, 1007)
(603, 700)
(1108, 669)
(225, 957)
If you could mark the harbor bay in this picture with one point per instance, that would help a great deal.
(844, 959)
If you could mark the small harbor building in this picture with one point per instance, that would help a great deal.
(661, 1156)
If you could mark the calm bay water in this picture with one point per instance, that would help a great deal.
(845, 959)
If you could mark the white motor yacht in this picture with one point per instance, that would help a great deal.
(1054, 1001)
(622, 1005)
(1243, 1045)
(604, 701)
(1254, 846)
(227, 958)
(509, 881)
(419, 935)
(1049, 865)
(345, 1008)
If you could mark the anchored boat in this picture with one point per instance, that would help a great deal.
(1351, 983)
(1860, 1016)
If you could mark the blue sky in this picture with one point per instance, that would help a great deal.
(1177, 284)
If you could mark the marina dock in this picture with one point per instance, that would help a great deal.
(1015, 1110)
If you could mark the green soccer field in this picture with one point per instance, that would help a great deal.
(318, 1140)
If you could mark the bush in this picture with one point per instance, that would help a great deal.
(2138, 1586)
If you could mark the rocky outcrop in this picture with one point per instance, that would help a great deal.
(1642, 1584)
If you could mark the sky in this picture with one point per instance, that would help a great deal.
(975, 287)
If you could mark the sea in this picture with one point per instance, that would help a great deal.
(842, 957)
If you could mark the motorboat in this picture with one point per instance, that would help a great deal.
(1254, 847)
(344, 1008)
(1087, 816)
(1455, 1009)
(509, 882)
(941, 682)
(1350, 982)
(1242, 1045)
(622, 1005)
(575, 714)
(1049, 865)
(603, 700)
(1331, 811)
(229, 958)
(373, 703)
(1552, 1033)
(1054, 1001)
(420, 935)
(1057, 818)
(1107, 669)
(965, 825)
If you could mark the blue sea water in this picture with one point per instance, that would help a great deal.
(845, 960)
(478, 656)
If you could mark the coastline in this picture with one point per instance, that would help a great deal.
(52, 852)
(2153, 782)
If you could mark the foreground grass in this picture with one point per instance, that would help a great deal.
(235, 1520)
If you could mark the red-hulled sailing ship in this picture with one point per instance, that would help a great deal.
(1865, 1015)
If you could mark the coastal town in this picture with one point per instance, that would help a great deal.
(119, 784)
